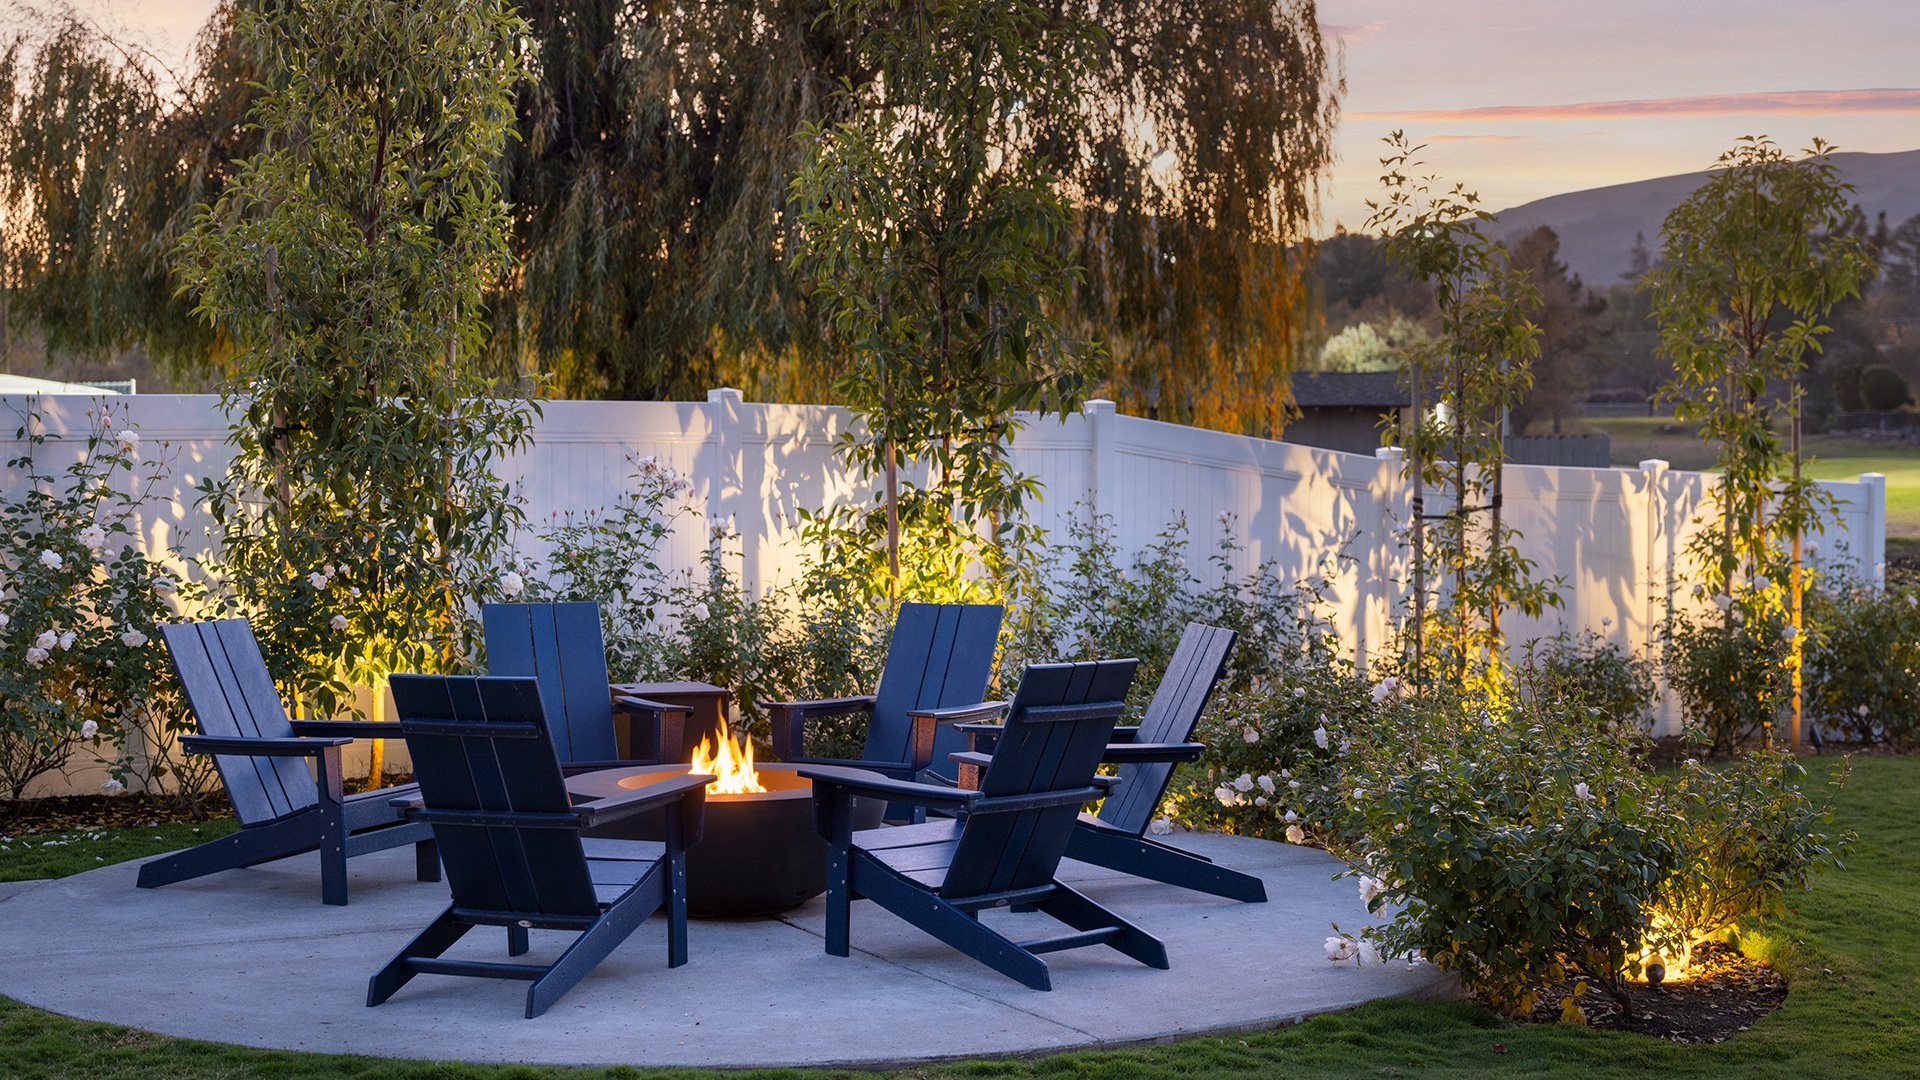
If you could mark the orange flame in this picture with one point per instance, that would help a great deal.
(732, 767)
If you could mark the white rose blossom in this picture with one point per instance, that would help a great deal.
(1249, 735)
(1160, 827)
(37, 656)
(89, 729)
(1243, 782)
(1320, 736)
(47, 641)
(318, 580)
(1384, 689)
(129, 439)
(1339, 949)
(133, 639)
(512, 584)
(4, 620)
(1582, 792)
(67, 639)
(338, 622)
(113, 787)
(94, 537)
(1371, 888)
(1296, 835)
(52, 560)
(1266, 783)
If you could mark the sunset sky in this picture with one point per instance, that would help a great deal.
(1526, 98)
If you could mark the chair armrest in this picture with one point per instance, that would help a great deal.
(348, 729)
(971, 757)
(629, 703)
(653, 795)
(407, 804)
(1106, 783)
(964, 715)
(790, 720)
(257, 747)
(832, 777)
(1125, 734)
(664, 726)
(1121, 753)
(823, 707)
(926, 724)
(904, 768)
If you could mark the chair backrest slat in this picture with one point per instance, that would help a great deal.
(507, 870)
(561, 645)
(1000, 850)
(941, 655)
(1196, 667)
(232, 694)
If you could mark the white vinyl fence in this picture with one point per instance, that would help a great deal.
(1616, 537)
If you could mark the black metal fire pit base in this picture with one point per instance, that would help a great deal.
(759, 853)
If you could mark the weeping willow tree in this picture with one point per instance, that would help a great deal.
(106, 154)
(658, 150)
(652, 220)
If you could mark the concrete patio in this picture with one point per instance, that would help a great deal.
(252, 957)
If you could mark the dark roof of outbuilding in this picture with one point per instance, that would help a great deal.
(1350, 389)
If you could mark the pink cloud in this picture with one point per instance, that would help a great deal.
(1813, 102)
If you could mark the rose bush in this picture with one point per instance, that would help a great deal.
(81, 664)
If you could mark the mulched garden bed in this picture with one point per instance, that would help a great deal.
(1725, 993)
(70, 812)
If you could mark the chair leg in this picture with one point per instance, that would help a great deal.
(437, 938)
(248, 847)
(517, 944)
(426, 861)
(962, 930)
(333, 831)
(676, 898)
(1158, 862)
(1081, 913)
(591, 947)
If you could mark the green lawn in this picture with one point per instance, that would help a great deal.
(1836, 457)
(1851, 948)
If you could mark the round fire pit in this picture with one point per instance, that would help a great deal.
(759, 853)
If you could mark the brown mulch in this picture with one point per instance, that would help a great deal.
(68, 812)
(1724, 994)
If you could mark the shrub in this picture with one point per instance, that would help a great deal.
(81, 663)
(1729, 671)
(612, 557)
(1746, 831)
(1262, 745)
(1882, 389)
(1521, 845)
(1590, 674)
(1862, 678)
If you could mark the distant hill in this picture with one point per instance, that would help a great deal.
(1597, 226)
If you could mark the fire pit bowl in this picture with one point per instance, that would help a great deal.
(759, 853)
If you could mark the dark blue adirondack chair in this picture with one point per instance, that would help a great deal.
(561, 645)
(938, 664)
(492, 791)
(1005, 846)
(1146, 755)
(263, 758)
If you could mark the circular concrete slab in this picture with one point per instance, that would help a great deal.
(253, 957)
